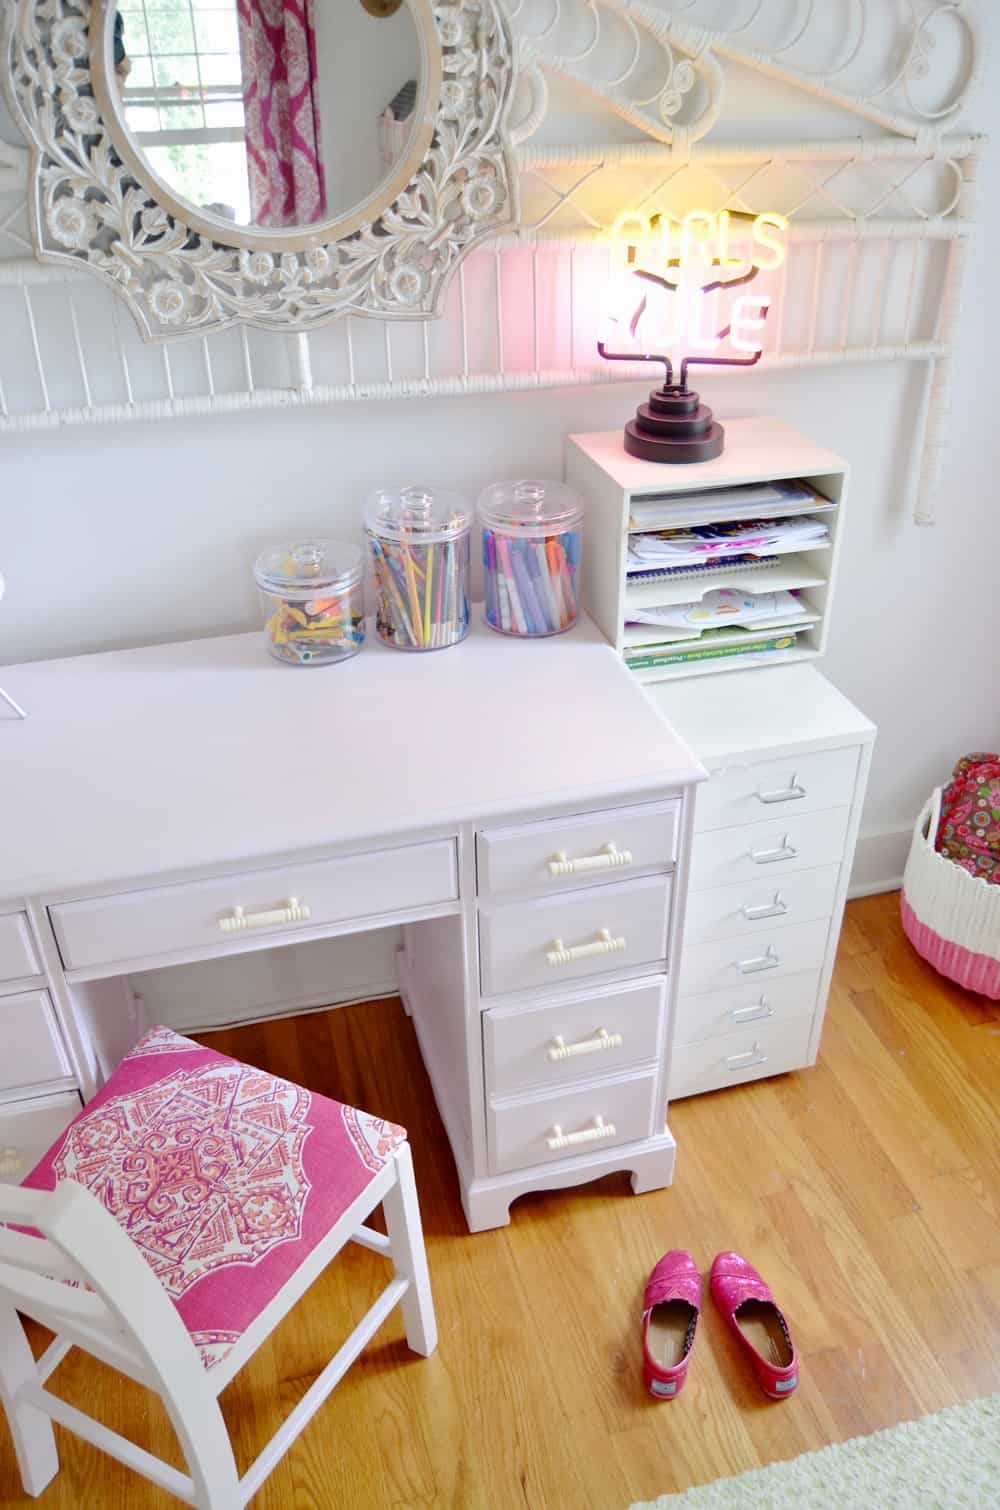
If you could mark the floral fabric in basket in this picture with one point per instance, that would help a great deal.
(969, 831)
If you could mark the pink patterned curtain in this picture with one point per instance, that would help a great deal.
(281, 101)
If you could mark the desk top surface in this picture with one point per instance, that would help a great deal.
(173, 758)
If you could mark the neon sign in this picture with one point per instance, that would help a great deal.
(668, 280)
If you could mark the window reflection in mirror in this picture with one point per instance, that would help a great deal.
(268, 112)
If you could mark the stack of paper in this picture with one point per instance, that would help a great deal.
(731, 503)
(724, 605)
(708, 542)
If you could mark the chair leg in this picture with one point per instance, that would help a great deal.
(31, 1429)
(406, 1242)
(205, 1443)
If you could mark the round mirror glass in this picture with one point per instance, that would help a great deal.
(278, 114)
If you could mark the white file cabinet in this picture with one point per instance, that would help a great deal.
(775, 829)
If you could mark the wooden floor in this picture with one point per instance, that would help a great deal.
(867, 1190)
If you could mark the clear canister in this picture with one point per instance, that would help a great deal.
(531, 556)
(313, 597)
(419, 541)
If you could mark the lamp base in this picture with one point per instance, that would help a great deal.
(675, 426)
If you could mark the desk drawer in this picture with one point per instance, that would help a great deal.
(28, 1130)
(750, 1055)
(17, 951)
(585, 1120)
(569, 852)
(582, 1036)
(729, 911)
(524, 945)
(760, 851)
(33, 1048)
(200, 914)
(792, 785)
(755, 960)
(713, 1014)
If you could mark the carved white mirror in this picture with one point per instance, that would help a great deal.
(278, 161)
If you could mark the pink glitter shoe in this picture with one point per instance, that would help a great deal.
(748, 1306)
(669, 1319)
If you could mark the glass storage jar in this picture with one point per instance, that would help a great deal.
(313, 598)
(531, 556)
(419, 542)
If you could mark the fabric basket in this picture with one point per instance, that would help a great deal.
(950, 917)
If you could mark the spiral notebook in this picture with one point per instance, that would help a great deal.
(702, 569)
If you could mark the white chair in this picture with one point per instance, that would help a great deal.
(202, 1164)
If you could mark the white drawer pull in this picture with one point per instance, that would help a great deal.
(755, 1013)
(766, 961)
(602, 1039)
(604, 944)
(600, 1129)
(744, 1061)
(785, 851)
(775, 909)
(293, 911)
(12, 1164)
(609, 858)
(791, 793)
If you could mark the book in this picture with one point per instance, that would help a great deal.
(776, 646)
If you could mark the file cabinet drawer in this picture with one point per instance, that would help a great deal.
(729, 911)
(760, 851)
(793, 784)
(525, 945)
(590, 1118)
(769, 1050)
(578, 850)
(33, 1045)
(713, 1014)
(17, 951)
(204, 914)
(581, 1036)
(755, 960)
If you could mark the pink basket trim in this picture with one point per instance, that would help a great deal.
(976, 972)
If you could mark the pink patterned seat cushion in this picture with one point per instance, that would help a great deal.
(224, 1176)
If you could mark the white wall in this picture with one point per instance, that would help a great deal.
(363, 62)
(114, 537)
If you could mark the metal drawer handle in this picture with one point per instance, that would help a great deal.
(603, 944)
(766, 961)
(755, 1013)
(775, 909)
(292, 911)
(593, 1134)
(744, 1061)
(608, 858)
(785, 851)
(602, 1039)
(791, 793)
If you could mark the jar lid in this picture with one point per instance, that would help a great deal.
(307, 566)
(422, 516)
(530, 507)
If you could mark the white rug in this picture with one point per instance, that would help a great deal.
(949, 1461)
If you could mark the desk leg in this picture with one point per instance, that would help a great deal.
(650, 1163)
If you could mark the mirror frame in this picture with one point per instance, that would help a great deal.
(95, 202)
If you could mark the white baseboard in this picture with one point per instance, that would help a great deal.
(879, 861)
